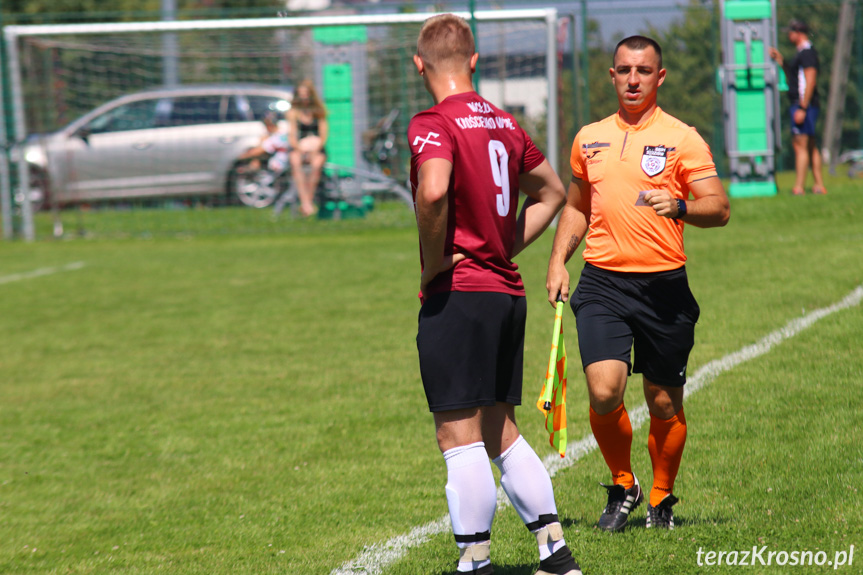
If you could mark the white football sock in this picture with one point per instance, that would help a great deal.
(528, 486)
(472, 498)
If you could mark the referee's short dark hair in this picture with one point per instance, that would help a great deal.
(638, 43)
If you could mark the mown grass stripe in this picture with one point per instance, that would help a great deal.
(376, 557)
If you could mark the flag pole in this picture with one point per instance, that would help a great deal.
(552, 360)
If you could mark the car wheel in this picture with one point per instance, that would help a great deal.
(256, 188)
(38, 191)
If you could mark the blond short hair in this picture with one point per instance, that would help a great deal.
(446, 43)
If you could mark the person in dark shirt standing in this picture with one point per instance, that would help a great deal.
(802, 74)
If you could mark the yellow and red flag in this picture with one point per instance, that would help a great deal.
(552, 400)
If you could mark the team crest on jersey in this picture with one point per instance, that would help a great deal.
(653, 159)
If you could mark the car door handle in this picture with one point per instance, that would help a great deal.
(142, 145)
(228, 139)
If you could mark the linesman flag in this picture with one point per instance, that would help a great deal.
(552, 400)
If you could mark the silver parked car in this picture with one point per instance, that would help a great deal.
(182, 141)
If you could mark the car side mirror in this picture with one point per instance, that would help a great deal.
(83, 133)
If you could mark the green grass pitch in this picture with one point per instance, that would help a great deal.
(239, 404)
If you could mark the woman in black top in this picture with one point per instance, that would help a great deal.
(308, 136)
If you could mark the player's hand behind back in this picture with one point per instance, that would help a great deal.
(430, 271)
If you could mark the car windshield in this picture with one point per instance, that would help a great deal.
(139, 115)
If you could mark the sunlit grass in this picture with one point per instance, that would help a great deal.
(250, 403)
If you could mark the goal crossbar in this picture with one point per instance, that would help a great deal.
(251, 23)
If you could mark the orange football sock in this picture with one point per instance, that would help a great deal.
(613, 433)
(665, 444)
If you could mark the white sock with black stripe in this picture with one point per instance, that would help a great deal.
(472, 498)
(528, 486)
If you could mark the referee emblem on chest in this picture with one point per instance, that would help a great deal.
(653, 159)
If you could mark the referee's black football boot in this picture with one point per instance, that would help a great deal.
(621, 502)
(661, 516)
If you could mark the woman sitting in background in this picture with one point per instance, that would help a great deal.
(308, 136)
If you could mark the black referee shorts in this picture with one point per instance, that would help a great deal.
(471, 349)
(653, 312)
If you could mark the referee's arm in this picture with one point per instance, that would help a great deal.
(571, 229)
(710, 208)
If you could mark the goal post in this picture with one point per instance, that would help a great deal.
(57, 73)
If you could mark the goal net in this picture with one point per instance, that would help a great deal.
(361, 65)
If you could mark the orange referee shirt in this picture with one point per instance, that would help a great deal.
(620, 161)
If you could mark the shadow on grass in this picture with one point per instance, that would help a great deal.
(525, 569)
(680, 522)
(570, 522)
(640, 523)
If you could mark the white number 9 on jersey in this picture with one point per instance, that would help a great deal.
(499, 159)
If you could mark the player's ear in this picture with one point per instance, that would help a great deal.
(661, 77)
(473, 61)
(611, 73)
(418, 62)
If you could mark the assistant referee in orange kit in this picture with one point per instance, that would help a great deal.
(638, 177)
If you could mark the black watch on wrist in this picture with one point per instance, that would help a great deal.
(681, 209)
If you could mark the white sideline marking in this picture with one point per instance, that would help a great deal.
(40, 272)
(376, 557)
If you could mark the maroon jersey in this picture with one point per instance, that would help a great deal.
(488, 150)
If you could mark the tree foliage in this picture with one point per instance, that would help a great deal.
(119, 10)
(690, 49)
(692, 52)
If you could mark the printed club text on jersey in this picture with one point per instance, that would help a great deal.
(497, 122)
(484, 122)
(479, 107)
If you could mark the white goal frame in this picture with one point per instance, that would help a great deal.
(13, 33)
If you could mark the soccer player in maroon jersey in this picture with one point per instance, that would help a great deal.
(468, 162)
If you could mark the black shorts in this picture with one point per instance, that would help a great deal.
(654, 311)
(471, 349)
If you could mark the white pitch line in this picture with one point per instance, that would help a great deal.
(376, 557)
(40, 272)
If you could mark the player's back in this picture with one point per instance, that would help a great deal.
(488, 150)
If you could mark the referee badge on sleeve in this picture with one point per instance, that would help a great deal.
(653, 159)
